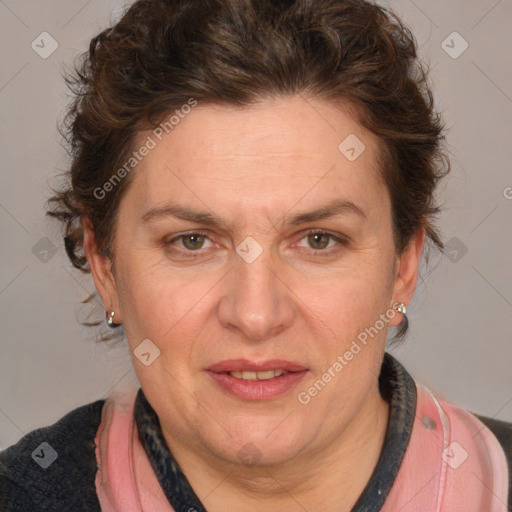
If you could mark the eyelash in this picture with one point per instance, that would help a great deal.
(341, 242)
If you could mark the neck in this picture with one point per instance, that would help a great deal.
(330, 478)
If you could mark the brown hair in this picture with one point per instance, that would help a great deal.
(162, 53)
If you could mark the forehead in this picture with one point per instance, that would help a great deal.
(268, 156)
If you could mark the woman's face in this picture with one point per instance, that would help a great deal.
(248, 240)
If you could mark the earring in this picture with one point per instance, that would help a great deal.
(110, 319)
(401, 308)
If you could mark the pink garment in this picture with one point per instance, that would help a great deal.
(453, 463)
(457, 467)
(125, 481)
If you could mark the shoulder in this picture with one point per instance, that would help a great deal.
(502, 430)
(54, 467)
(463, 435)
(493, 439)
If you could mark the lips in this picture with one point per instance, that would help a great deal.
(250, 380)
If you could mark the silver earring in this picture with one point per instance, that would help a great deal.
(401, 308)
(110, 319)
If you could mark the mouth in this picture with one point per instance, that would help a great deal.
(250, 380)
(251, 375)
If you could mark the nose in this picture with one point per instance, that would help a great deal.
(257, 302)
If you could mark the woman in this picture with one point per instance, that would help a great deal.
(252, 187)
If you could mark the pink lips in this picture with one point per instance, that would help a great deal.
(256, 389)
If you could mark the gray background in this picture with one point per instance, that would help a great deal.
(459, 343)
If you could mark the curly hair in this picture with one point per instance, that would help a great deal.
(162, 53)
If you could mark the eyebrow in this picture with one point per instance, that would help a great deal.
(332, 209)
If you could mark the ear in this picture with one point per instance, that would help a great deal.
(406, 272)
(101, 269)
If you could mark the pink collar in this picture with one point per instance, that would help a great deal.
(453, 463)
(125, 481)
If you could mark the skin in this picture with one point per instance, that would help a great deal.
(255, 168)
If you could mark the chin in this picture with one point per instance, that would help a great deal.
(259, 443)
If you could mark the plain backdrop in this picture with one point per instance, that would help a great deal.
(459, 343)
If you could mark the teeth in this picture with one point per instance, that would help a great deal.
(250, 375)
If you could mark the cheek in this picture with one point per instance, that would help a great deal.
(160, 304)
(351, 297)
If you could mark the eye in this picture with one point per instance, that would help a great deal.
(323, 242)
(319, 240)
(189, 241)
